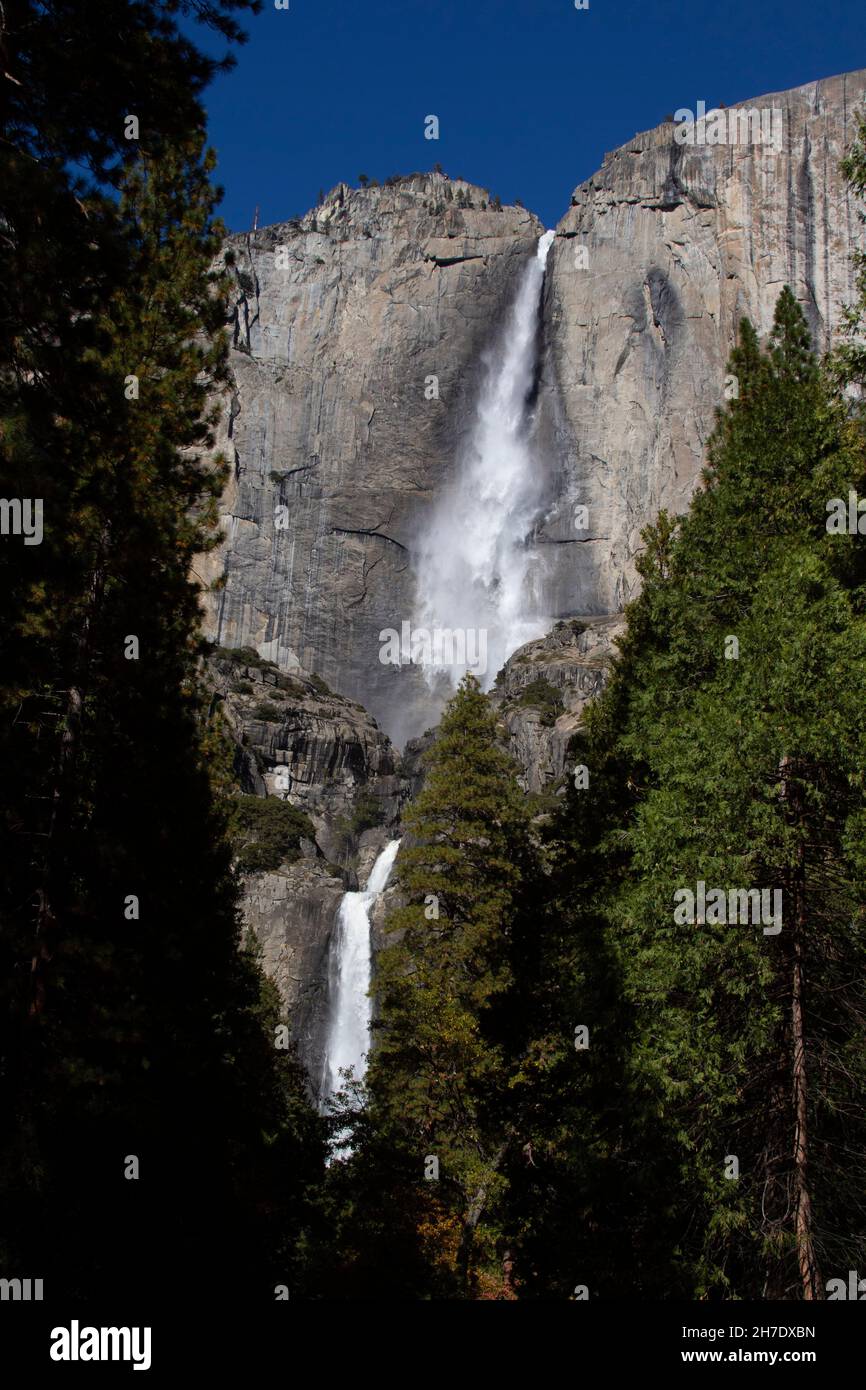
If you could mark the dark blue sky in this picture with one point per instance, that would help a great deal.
(529, 93)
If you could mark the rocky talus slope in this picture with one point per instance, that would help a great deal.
(543, 689)
(296, 741)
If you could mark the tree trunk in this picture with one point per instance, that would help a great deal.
(810, 1274)
(473, 1215)
(807, 1261)
(45, 917)
(63, 791)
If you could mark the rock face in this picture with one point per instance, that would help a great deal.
(324, 754)
(341, 323)
(660, 255)
(318, 750)
(292, 912)
(343, 319)
(542, 690)
(359, 335)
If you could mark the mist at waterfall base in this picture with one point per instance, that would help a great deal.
(349, 976)
(476, 570)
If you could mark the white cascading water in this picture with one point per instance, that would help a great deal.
(474, 575)
(348, 1039)
(475, 572)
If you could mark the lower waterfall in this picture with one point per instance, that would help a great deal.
(349, 971)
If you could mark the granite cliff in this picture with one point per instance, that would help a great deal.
(659, 256)
(359, 335)
(295, 740)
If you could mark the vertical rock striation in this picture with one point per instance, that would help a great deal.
(660, 255)
(342, 317)
(341, 320)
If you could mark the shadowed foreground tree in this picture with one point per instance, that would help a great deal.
(159, 1144)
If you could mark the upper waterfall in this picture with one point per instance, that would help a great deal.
(544, 244)
(477, 581)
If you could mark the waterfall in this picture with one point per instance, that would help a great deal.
(476, 576)
(348, 1038)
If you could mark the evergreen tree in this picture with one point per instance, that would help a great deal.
(135, 1032)
(739, 767)
(451, 1034)
(84, 88)
(849, 360)
(596, 1204)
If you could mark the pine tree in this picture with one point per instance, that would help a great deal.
(134, 1027)
(849, 360)
(744, 773)
(136, 1020)
(451, 1031)
(80, 97)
